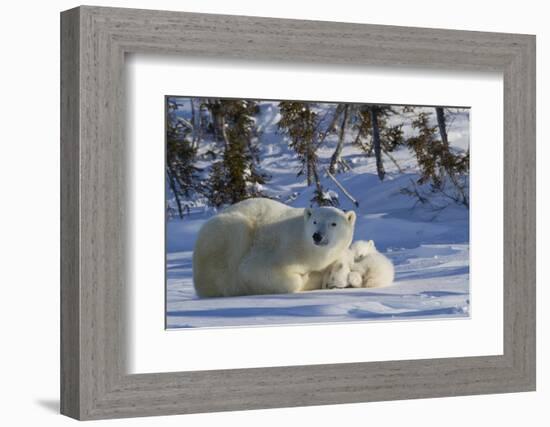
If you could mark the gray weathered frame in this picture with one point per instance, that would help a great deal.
(94, 41)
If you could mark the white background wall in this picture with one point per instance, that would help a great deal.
(29, 234)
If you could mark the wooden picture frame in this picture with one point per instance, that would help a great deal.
(94, 382)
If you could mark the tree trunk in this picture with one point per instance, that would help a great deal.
(316, 178)
(216, 112)
(441, 123)
(376, 142)
(387, 153)
(194, 122)
(338, 151)
(310, 166)
(174, 189)
(330, 127)
(223, 127)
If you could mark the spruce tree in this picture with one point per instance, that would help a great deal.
(444, 170)
(181, 173)
(375, 135)
(300, 123)
(236, 176)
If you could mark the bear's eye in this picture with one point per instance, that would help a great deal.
(315, 222)
(333, 224)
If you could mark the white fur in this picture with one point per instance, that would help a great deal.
(337, 274)
(354, 279)
(376, 270)
(360, 266)
(362, 248)
(260, 246)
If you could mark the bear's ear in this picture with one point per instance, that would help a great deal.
(371, 244)
(350, 216)
(307, 213)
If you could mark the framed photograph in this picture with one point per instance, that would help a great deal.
(262, 213)
(310, 196)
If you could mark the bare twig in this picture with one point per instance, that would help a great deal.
(330, 127)
(387, 153)
(341, 187)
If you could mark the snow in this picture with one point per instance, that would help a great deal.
(431, 282)
(429, 247)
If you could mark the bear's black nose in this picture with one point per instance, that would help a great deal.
(317, 237)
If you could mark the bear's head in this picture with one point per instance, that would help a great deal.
(362, 248)
(329, 228)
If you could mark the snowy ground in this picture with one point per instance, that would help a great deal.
(432, 281)
(429, 248)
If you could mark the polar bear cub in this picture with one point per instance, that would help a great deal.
(376, 270)
(360, 266)
(337, 275)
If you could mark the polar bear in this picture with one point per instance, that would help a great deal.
(339, 274)
(361, 266)
(260, 246)
(376, 270)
